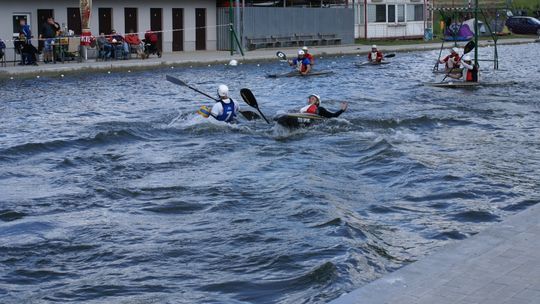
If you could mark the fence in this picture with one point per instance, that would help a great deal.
(260, 22)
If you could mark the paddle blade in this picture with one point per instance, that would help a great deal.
(176, 81)
(248, 97)
(389, 55)
(469, 47)
(281, 55)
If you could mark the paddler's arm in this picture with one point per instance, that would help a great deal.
(325, 113)
(308, 69)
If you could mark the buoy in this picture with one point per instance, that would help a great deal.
(233, 62)
(108, 72)
(11, 78)
(37, 76)
(209, 65)
(172, 67)
(129, 71)
(62, 75)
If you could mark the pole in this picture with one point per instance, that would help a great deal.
(231, 22)
(475, 31)
(237, 17)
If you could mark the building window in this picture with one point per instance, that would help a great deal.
(401, 13)
(377, 13)
(391, 13)
(415, 12)
(360, 13)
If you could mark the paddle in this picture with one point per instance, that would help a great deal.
(390, 55)
(249, 98)
(247, 114)
(468, 47)
(281, 56)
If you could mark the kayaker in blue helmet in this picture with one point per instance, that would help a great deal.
(225, 109)
(314, 107)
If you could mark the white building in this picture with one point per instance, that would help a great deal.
(123, 16)
(390, 18)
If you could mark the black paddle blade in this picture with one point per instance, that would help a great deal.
(248, 97)
(389, 55)
(469, 47)
(281, 55)
(250, 115)
(176, 81)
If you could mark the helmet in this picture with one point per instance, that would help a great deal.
(301, 53)
(455, 50)
(223, 91)
(374, 46)
(316, 96)
(305, 48)
(466, 58)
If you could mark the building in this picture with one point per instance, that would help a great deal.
(391, 18)
(187, 25)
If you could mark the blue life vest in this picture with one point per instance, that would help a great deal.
(228, 114)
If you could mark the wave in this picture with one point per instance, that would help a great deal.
(421, 121)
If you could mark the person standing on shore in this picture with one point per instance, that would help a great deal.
(48, 33)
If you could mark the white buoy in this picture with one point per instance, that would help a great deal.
(108, 72)
(209, 65)
(37, 76)
(172, 67)
(62, 75)
(233, 62)
(11, 78)
(129, 71)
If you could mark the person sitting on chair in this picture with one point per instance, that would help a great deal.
(132, 39)
(105, 48)
(119, 44)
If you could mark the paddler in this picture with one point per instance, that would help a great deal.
(308, 55)
(469, 69)
(302, 64)
(225, 109)
(375, 56)
(451, 61)
(314, 107)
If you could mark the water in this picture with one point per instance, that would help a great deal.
(114, 191)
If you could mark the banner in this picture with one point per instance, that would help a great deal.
(86, 13)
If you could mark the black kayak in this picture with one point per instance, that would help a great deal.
(297, 74)
(296, 120)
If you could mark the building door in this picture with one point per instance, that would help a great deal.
(74, 20)
(178, 29)
(156, 24)
(42, 15)
(130, 20)
(200, 31)
(105, 20)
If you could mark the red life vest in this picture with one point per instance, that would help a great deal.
(312, 109)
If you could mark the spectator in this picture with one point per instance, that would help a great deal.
(119, 44)
(25, 30)
(105, 48)
(27, 50)
(48, 33)
(151, 44)
(135, 43)
(2, 48)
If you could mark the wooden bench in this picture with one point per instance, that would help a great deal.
(255, 43)
(301, 39)
(282, 41)
(327, 39)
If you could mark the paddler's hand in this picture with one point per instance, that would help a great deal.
(344, 106)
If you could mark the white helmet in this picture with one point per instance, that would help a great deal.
(301, 53)
(455, 50)
(466, 58)
(305, 49)
(223, 91)
(374, 46)
(316, 96)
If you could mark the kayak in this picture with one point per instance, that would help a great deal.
(297, 74)
(296, 120)
(452, 71)
(462, 84)
(367, 63)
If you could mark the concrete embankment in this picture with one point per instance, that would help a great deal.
(186, 59)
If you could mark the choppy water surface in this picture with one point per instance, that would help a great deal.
(112, 190)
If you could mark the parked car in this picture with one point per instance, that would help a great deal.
(523, 25)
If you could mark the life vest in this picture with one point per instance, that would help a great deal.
(228, 114)
(375, 56)
(312, 109)
(472, 75)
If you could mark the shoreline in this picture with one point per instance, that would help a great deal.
(202, 58)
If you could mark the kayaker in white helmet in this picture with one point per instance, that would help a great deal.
(308, 55)
(451, 61)
(470, 70)
(314, 107)
(301, 63)
(225, 109)
(375, 55)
